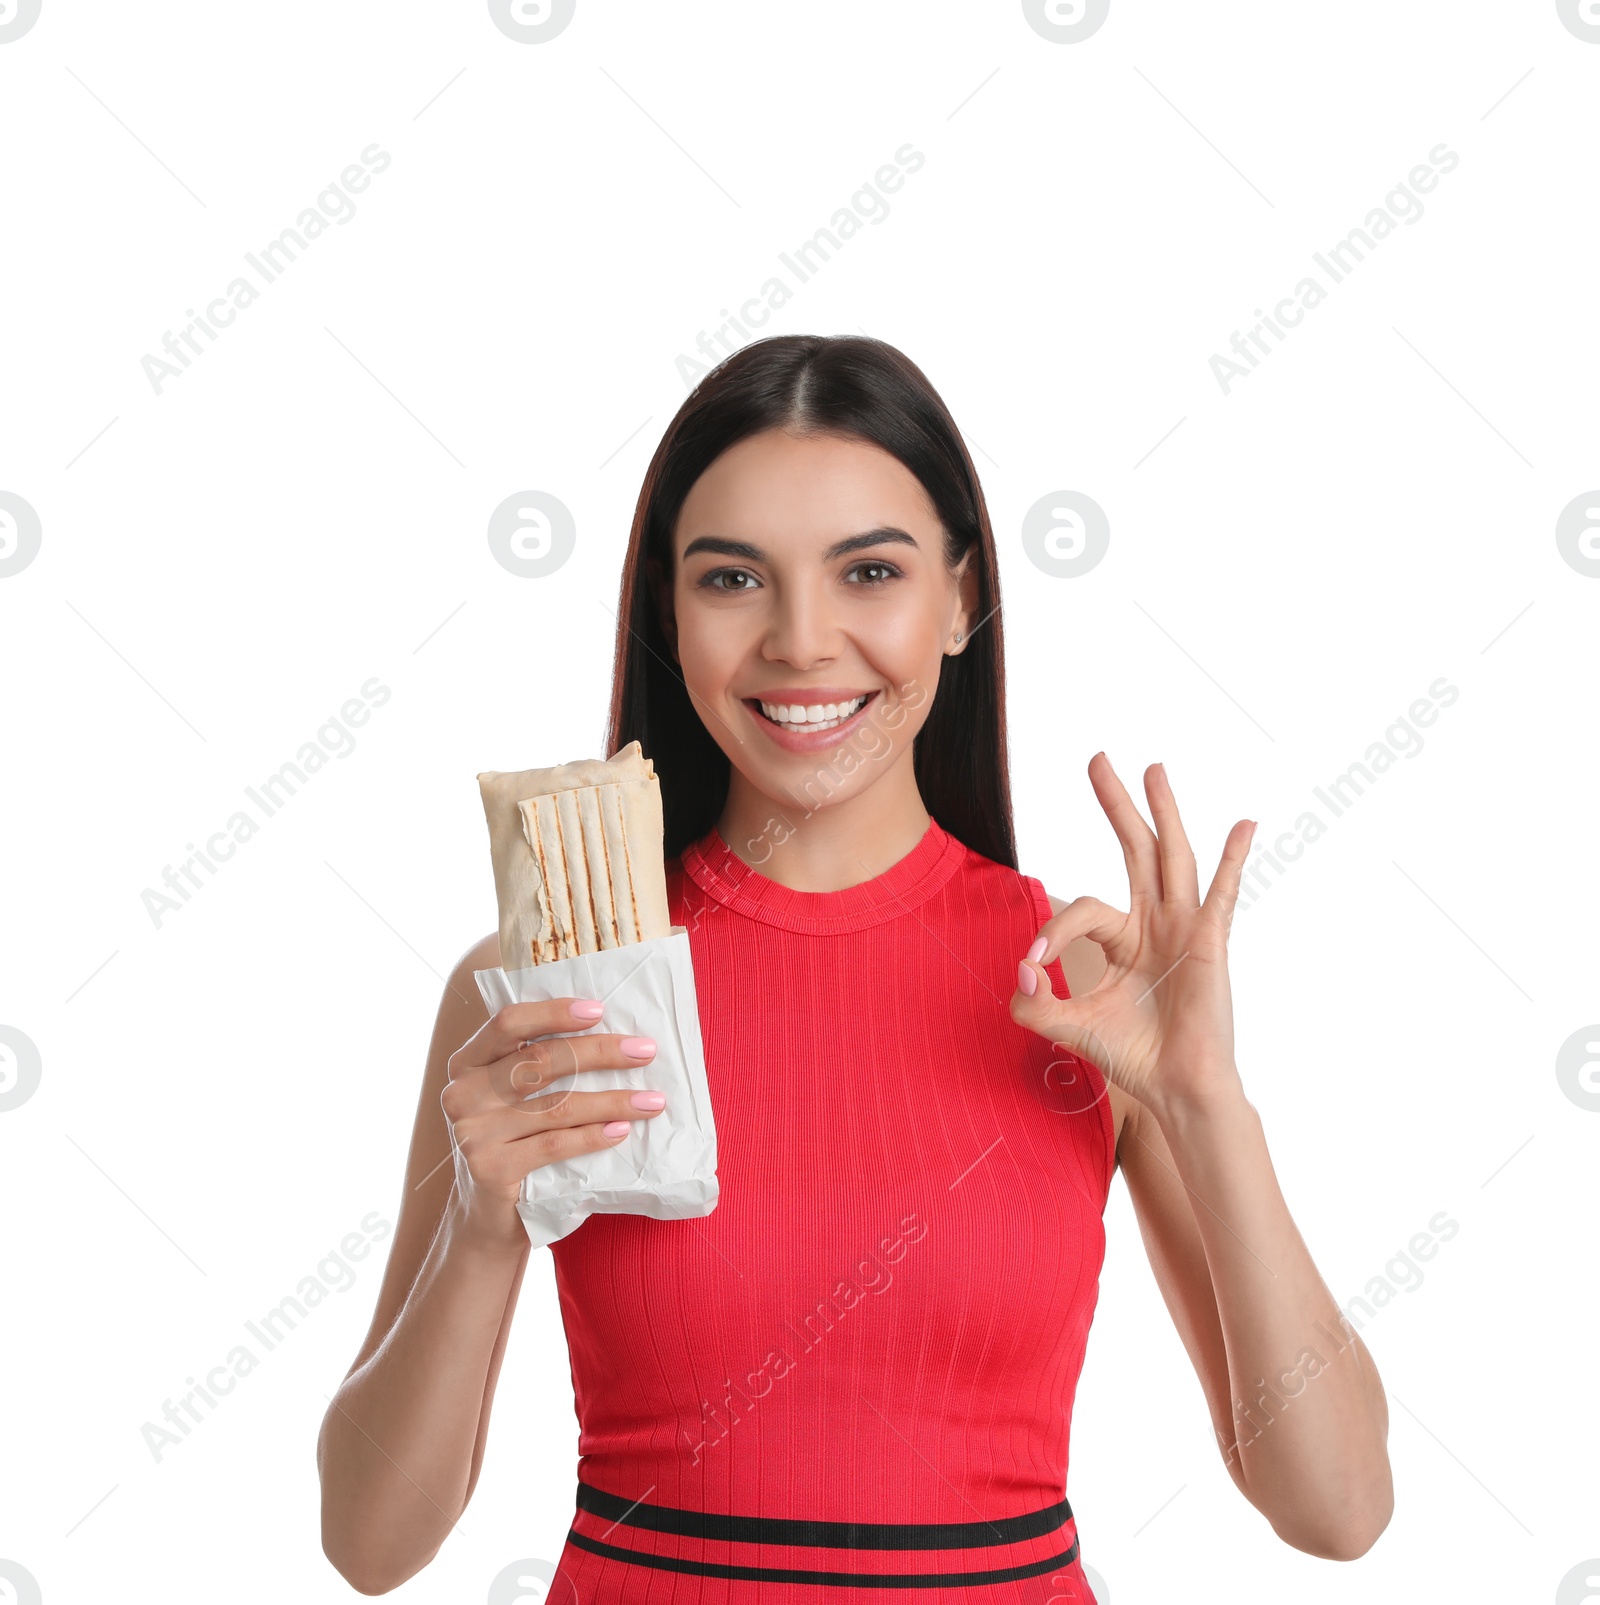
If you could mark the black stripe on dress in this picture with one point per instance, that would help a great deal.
(788, 1574)
(824, 1534)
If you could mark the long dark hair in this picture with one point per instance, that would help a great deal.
(848, 385)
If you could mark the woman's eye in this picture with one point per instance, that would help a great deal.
(718, 574)
(887, 571)
(872, 572)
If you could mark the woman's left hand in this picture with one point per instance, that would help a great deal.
(1159, 1023)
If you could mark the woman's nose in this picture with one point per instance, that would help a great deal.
(801, 630)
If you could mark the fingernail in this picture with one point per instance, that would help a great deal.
(587, 1011)
(1036, 952)
(649, 1100)
(616, 1128)
(1026, 979)
(637, 1047)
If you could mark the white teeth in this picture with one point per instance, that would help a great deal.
(814, 716)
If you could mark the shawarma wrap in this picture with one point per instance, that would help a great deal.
(577, 856)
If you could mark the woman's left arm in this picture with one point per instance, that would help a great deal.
(1300, 1412)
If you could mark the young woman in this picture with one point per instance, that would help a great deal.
(855, 1377)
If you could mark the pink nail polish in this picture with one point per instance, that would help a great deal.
(587, 1011)
(637, 1047)
(1026, 979)
(649, 1100)
(1036, 952)
(616, 1128)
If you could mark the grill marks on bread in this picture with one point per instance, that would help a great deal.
(577, 856)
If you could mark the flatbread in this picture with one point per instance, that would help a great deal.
(642, 825)
(596, 847)
(577, 862)
(577, 856)
(553, 938)
(617, 860)
(527, 933)
(602, 891)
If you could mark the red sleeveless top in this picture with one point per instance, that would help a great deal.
(855, 1377)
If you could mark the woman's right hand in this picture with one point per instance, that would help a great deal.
(499, 1133)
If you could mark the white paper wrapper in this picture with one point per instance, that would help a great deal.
(667, 1167)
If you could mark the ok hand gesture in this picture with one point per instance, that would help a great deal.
(1159, 1023)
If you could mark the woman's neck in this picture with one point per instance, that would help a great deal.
(812, 848)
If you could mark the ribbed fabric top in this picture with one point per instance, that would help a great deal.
(857, 1373)
(725, 878)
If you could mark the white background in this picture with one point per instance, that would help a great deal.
(225, 1097)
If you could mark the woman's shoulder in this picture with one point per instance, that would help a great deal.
(461, 996)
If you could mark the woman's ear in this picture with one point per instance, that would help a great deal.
(662, 594)
(966, 573)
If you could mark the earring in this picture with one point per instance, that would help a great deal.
(958, 637)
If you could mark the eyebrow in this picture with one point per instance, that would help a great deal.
(851, 543)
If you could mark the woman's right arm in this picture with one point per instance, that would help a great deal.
(402, 1441)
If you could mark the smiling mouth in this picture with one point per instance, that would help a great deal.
(809, 719)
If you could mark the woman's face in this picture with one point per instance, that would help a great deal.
(811, 609)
